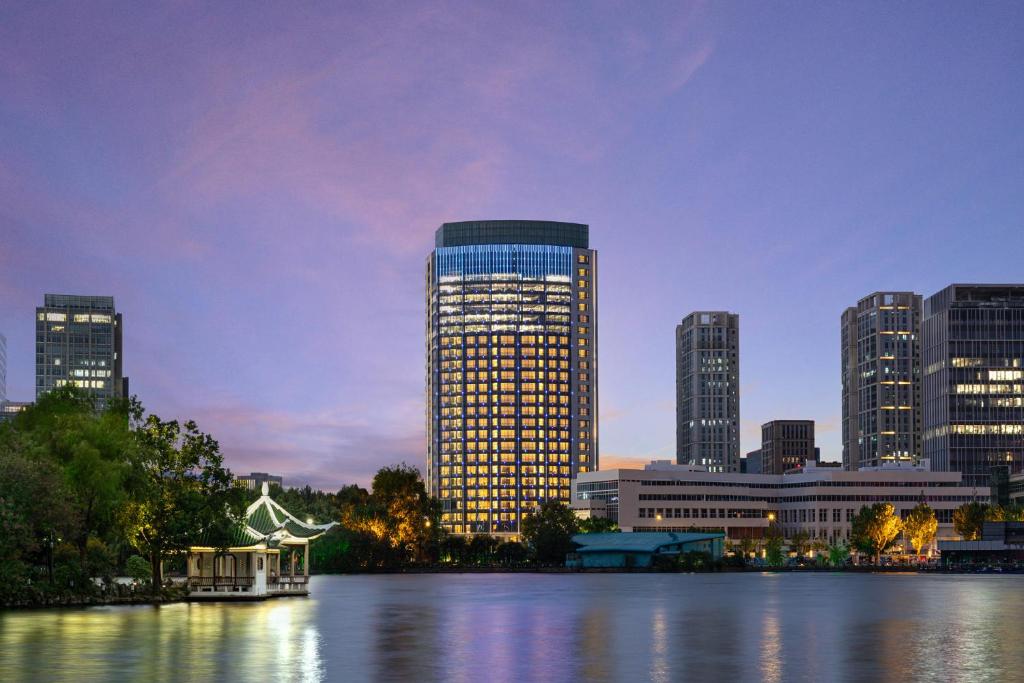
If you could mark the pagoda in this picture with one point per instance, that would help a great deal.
(268, 556)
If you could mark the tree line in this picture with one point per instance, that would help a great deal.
(87, 495)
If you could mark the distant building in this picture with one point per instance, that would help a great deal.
(78, 341)
(821, 501)
(256, 480)
(881, 373)
(1015, 488)
(8, 409)
(707, 391)
(512, 401)
(973, 359)
(786, 445)
(753, 462)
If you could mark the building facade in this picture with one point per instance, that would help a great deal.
(511, 369)
(707, 390)
(819, 500)
(881, 375)
(78, 341)
(255, 481)
(785, 445)
(973, 358)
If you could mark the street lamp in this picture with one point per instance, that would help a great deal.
(771, 517)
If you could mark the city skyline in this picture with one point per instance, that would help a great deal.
(770, 151)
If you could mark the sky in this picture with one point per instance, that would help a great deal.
(258, 186)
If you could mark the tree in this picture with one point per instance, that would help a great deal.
(838, 554)
(511, 553)
(183, 495)
(968, 520)
(799, 542)
(1014, 512)
(92, 451)
(920, 527)
(549, 531)
(597, 525)
(747, 546)
(875, 529)
(773, 545)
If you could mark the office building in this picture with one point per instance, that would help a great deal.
(255, 481)
(708, 390)
(511, 369)
(752, 462)
(8, 409)
(821, 501)
(78, 341)
(786, 445)
(973, 358)
(881, 375)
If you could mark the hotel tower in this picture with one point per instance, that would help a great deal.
(511, 369)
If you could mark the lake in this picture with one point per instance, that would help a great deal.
(547, 627)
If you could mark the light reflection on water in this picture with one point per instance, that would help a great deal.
(528, 627)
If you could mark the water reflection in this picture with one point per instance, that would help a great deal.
(601, 627)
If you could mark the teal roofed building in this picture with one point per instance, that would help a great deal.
(625, 550)
(268, 556)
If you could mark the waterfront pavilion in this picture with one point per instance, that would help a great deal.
(268, 557)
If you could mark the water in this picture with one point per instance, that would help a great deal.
(547, 627)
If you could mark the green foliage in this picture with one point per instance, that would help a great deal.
(968, 520)
(773, 545)
(800, 542)
(874, 529)
(696, 561)
(548, 532)
(1014, 512)
(597, 525)
(137, 567)
(838, 554)
(183, 493)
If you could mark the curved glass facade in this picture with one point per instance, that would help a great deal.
(511, 378)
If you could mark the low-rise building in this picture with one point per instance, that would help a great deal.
(1000, 543)
(632, 549)
(818, 500)
(8, 409)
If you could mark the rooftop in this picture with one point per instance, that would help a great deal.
(553, 233)
(636, 541)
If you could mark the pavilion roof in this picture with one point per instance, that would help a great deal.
(267, 523)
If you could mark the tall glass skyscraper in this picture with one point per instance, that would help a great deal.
(708, 390)
(78, 341)
(881, 374)
(973, 358)
(511, 369)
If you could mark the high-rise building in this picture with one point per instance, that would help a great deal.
(973, 359)
(78, 341)
(511, 369)
(881, 373)
(786, 445)
(708, 390)
(751, 462)
(254, 481)
(3, 368)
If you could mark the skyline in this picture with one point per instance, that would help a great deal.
(267, 183)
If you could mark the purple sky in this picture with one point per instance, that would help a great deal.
(259, 192)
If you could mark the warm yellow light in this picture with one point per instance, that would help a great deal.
(771, 516)
(309, 520)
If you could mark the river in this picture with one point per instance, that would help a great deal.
(547, 627)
